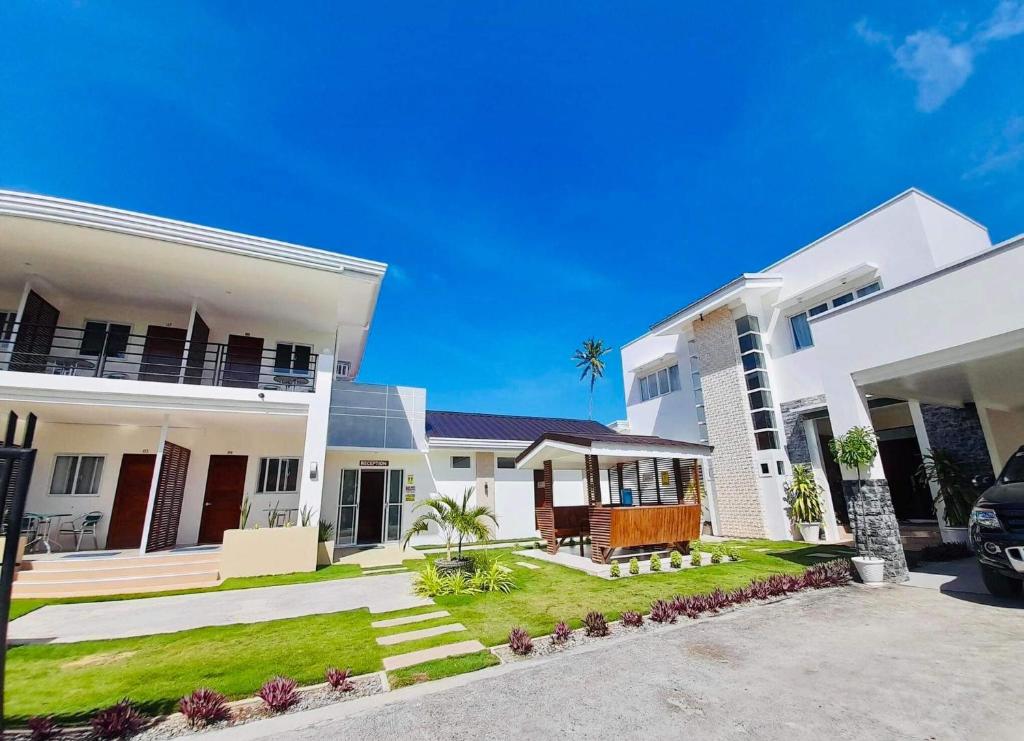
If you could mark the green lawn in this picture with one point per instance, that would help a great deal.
(20, 607)
(73, 680)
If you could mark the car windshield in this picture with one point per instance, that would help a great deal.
(1014, 471)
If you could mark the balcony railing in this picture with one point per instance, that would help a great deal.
(164, 357)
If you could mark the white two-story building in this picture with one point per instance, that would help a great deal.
(906, 319)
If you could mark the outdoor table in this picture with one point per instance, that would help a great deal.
(46, 528)
(69, 366)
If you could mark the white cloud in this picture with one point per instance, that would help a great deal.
(939, 65)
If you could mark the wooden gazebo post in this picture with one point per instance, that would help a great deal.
(546, 513)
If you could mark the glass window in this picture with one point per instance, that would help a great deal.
(753, 361)
(840, 300)
(869, 289)
(764, 469)
(766, 440)
(644, 393)
(780, 467)
(763, 420)
(292, 359)
(747, 324)
(695, 379)
(760, 399)
(801, 331)
(701, 415)
(461, 461)
(750, 342)
(698, 397)
(278, 475)
(756, 380)
(7, 324)
(663, 380)
(96, 335)
(819, 309)
(691, 346)
(394, 515)
(76, 475)
(506, 462)
(673, 377)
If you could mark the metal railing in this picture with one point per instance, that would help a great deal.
(164, 358)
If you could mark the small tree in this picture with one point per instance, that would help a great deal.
(939, 467)
(857, 449)
(456, 520)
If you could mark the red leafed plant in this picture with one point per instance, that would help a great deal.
(203, 706)
(118, 721)
(519, 641)
(662, 611)
(562, 632)
(279, 694)
(42, 728)
(339, 679)
(594, 624)
(632, 618)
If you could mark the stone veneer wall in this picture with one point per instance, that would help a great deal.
(958, 430)
(874, 525)
(793, 424)
(737, 495)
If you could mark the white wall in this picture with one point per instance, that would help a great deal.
(672, 416)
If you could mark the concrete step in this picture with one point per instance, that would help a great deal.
(90, 587)
(113, 570)
(430, 654)
(408, 619)
(415, 635)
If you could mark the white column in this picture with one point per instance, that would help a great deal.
(314, 453)
(151, 503)
(818, 468)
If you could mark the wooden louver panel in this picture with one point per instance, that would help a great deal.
(170, 491)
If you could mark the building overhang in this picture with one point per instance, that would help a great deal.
(567, 452)
(747, 285)
(809, 295)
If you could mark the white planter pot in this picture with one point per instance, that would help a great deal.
(955, 535)
(870, 569)
(809, 531)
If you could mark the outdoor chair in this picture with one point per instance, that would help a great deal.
(30, 529)
(79, 527)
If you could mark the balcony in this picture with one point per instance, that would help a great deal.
(163, 355)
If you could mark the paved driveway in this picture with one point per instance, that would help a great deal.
(889, 663)
(98, 620)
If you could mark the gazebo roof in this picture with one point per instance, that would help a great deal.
(567, 451)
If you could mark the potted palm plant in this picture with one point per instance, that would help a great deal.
(939, 467)
(857, 450)
(804, 498)
(457, 521)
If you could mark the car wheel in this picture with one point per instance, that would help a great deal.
(1000, 585)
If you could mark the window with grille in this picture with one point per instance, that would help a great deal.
(76, 475)
(278, 475)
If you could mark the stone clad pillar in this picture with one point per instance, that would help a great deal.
(875, 529)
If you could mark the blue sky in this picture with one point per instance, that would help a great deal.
(535, 173)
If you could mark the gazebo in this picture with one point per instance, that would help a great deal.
(641, 490)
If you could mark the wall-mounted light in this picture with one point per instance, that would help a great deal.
(314, 471)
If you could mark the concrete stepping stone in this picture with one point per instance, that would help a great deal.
(395, 622)
(430, 654)
(390, 570)
(415, 635)
(526, 565)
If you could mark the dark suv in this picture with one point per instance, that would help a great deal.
(997, 529)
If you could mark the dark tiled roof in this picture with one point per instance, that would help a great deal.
(505, 427)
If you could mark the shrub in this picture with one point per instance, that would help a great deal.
(716, 556)
(42, 728)
(632, 618)
(594, 624)
(457, 582)
(835, 573)
(675, 560)
(655, 562)
(662, 611)
(520, 642)
(279, 694)
(202, 707)
(429, 582)
(616, 571)
(634, 566)
(718, 600)
(695, 554)
(493, 577)
(118, 721)
(339, 679)
(562, 632)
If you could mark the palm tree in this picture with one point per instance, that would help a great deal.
(453, 519)
(588, 357)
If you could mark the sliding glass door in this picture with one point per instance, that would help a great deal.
(393, 521)
(348, 506)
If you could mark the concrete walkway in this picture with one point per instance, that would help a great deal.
(962, 575)
(886, 663)
(136, 617)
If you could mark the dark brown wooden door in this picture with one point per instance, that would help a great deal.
(242, 365)
(198, 349)
(128, 514)
(162, 354)
(371, 507)
(35, 335)
(222, 505)
(900, 460)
